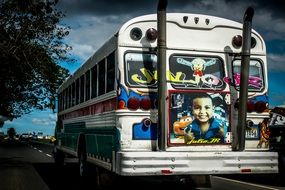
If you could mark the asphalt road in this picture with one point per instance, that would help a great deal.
(16, 167)
(30, 166)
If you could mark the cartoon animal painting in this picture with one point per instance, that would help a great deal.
(198, 65)
(264, 134)
(179, 126)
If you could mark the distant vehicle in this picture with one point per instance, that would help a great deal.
(24, 137)
(40, 135)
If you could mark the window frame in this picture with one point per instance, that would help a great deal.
(222, 71)
(262, 72)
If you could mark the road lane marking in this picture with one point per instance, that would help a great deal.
(42, 152)
(245, 183)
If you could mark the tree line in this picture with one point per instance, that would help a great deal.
(31, 49)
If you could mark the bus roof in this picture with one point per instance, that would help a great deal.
(181, 34)
(195, 32)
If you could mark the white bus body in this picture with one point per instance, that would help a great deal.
(114, 122)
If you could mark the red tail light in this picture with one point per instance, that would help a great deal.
(237, 41)
(151, 34)
(133, 103)
(121, 104)
(256, 107)
(250, 106)
(145, 103)
(260, 106)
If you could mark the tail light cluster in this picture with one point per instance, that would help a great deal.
(256, 107)
(252, 106)
(144, 103)
(237, 41)
(136, 34)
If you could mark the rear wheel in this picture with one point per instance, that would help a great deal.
(105, 179)
(58, 157)
(82, 157)
(82, 163)
(282, 167)
(195, 181)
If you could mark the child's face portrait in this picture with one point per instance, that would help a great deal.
(202, 109)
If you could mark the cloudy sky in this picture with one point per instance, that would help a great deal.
(92, 22)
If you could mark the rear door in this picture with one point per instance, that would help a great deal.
(199, 101)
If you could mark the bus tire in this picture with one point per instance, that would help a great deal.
(282, 167)
(194, 181)
(105, 179)
(58, 156)
(82, 157)
(82, 163)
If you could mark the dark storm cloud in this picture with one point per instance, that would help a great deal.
(130, 7)
(98, 19)
(276, 7)
(106, 7)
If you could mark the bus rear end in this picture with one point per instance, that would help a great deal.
(203, 63)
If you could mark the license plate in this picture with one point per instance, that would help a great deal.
(251, 134)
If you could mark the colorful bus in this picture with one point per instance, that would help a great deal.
(108, 109)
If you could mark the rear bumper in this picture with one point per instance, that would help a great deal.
(185, 163)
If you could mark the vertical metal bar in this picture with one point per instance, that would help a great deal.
(161, 75)
(244, 72)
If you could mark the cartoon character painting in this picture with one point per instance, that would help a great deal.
(264, 134)
(198, 65)
(179, 126)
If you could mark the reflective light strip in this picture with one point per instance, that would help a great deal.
(166, 172)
